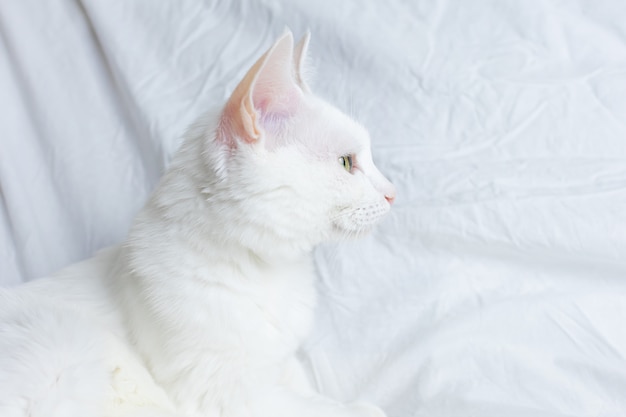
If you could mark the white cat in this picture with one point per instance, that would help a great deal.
(201, 310)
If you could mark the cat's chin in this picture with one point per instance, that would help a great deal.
(343, 233)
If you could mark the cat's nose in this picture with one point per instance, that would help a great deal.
(385, 187)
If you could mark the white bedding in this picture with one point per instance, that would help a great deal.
(497, 286)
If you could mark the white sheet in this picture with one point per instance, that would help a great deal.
(497, 286)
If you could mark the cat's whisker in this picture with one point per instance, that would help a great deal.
(343, 214)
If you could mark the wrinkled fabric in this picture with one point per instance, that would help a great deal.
(497, 285)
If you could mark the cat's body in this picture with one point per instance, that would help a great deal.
(201, 310)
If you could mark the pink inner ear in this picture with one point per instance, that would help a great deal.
(263, 106)
(275, 90)
(266, 96)
(273, 123)
(278, 103)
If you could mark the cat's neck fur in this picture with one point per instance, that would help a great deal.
(192, 207)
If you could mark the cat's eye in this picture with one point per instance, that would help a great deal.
(346, 162)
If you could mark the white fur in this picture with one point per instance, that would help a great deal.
(201, 310)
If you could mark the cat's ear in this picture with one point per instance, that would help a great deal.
(299, 61)
(268, 94)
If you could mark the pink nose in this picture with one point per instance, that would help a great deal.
(390, 198)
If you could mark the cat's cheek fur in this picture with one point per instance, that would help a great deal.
(360, 205)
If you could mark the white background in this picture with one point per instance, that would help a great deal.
(497, 286)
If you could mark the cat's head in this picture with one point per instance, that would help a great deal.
(289, 165)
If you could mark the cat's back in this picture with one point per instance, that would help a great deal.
(55, 336)
(84, 287)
